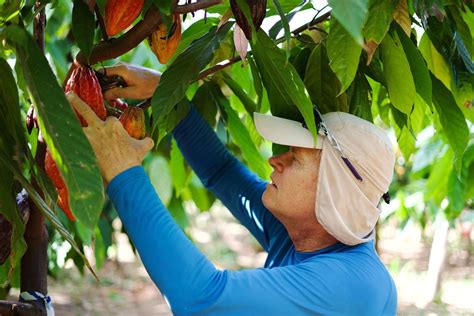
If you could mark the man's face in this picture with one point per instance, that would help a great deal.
(291, 194)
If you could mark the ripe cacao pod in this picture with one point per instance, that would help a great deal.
(164, 43)
(63, 195)
(119, 14)
(84, 83)
(257, 10)
(133, 120)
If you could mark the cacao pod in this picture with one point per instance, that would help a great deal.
(133, 120)
(120, 14)
(164, 43)
(63, 195)
(257, 10)
(84, 83)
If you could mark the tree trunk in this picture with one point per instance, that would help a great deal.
(437, 262)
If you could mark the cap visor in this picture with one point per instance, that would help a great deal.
(284, 132)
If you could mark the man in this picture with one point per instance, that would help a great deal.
(316, 219)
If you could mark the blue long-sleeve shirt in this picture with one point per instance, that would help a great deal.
(337, 280)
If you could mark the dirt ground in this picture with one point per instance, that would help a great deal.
(125, 288)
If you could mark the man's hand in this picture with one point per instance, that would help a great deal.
(115, 150)
(141, 82)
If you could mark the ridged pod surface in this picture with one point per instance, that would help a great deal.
(163, 46)
(63, 196)
(85, 84)
(257, 9)
(133, 120)
(120, 14)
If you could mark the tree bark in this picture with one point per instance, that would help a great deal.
(12, 308)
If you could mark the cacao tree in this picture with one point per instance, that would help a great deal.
(406, 65)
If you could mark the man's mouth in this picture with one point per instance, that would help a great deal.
(272, 183)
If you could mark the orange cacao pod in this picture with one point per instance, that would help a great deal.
(119, 14)
(257, 10)
(63, 195)
(85, 84)
(163, 44)
(133, 120)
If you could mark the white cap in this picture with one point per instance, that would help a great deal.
(352, 148)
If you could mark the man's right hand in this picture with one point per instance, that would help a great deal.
(141, 82)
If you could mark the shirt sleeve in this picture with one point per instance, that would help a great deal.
(239, 189)
(193, 286)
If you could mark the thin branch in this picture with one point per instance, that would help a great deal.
(118, 46)
(217, 68)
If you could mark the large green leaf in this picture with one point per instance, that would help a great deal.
(286, 25)
(435, 61)
(184, 70)
(61, 130)
(379, 19)
(83, 26)
(159, 172)
(257, 82)
(321, 82)
(452, 121)
(285, 87)
(240, 135)
(400, 84)
(351, 14)
(419, 70)
(343, 53)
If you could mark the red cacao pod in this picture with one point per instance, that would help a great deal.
(164, 43)
(257, 10)
(119, 14)
(85, 84)
(133, 120)
(63, 195)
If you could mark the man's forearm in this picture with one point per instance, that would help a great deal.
(183, 274)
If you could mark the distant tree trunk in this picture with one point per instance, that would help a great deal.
(437, 262)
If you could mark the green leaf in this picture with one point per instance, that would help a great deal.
(178, 173)
(61, 130)
(248, 103)
(437, 183)
(160, 176)
(379, 19)
(194, 31)
(452, 120)
(351, 14)
(321, 82)
(343, 53)
(83, 27)
(176, 210)
(201, 196)
(285, 87)
(286, 25)
(184, 70)
(205, 104)
(240, 135)
(44, 209)
(461, 27)
(257, 82)
(419, 70)
(435, 61)
(359, 103)
(9, 209)
(400, 84)
(164, 6)
(10, 121)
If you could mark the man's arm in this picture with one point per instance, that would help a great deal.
(233, 183)
(193, 286)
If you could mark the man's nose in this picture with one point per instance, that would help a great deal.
(279, 162)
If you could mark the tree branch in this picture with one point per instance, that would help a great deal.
(118, 46)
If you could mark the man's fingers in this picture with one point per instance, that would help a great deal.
(119, 69)
(82, 108)
(131, 92)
